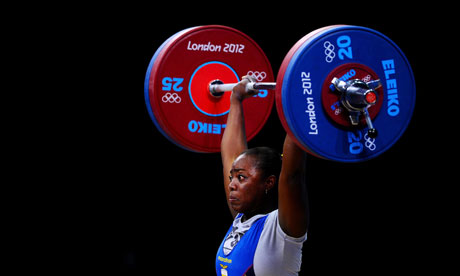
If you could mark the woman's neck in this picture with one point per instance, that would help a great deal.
(264, 210)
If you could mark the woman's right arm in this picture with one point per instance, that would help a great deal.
(234, 139)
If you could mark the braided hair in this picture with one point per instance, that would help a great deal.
(267, 159)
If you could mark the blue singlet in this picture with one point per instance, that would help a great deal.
(239, 261)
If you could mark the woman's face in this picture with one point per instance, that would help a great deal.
(246, 186)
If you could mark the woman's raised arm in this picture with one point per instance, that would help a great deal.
(234, 138)
(292, 191)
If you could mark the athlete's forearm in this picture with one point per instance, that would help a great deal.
(234, 138)
(292, 190)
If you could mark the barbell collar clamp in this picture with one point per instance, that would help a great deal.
(371, 132)
(357, 97)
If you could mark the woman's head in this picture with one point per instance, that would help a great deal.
(253, 177)
(268, 160)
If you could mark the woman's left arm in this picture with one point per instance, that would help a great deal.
(292, 191)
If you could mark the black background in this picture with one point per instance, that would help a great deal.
(118, 196)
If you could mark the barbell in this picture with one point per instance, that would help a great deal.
(335, 88)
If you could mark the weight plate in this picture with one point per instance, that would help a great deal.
(178, 78)
(280, 79)
(331, 99)
(337, 51)
(147, 80)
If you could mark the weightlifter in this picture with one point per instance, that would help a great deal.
(267, 197)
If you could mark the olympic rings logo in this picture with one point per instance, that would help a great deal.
(329, 51)
(171, 98)
(367, 78)
(370, 142)
(259, 76)
(338, 110)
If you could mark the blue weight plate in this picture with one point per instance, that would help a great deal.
(280, 79)
(311, 65)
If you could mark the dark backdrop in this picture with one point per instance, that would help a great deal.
(129, 200)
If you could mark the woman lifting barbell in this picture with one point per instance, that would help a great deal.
(265, 238)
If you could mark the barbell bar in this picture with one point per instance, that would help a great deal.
(217, 87)
(357, 96)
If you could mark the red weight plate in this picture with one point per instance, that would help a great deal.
(181, 103)
(147, 81)
(205, 102)
(331, 100)
(279, 82)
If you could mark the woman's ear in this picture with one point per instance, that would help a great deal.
(270, 182)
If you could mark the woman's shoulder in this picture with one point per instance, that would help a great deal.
(272, 225)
